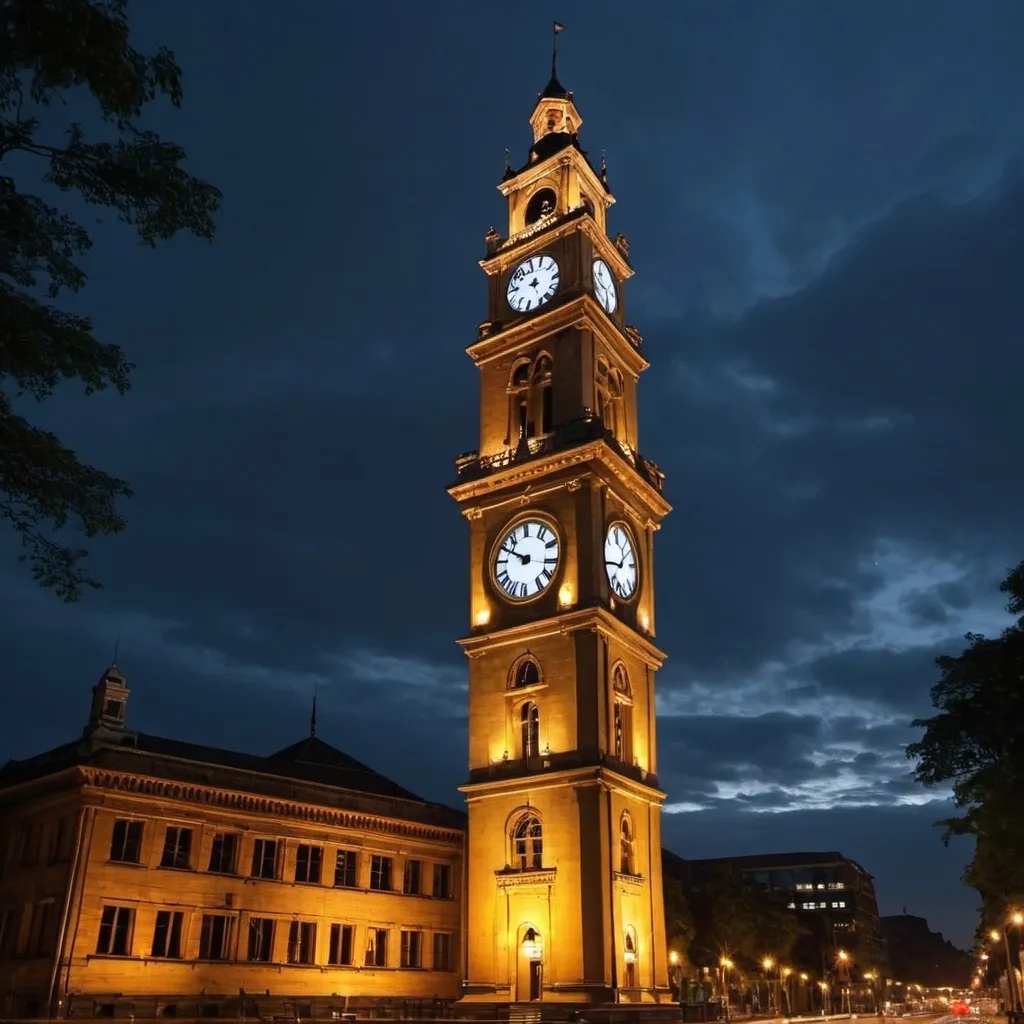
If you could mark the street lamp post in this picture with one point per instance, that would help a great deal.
(726, 965)
(767, 963)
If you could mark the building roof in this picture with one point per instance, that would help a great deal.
(778, 861)
(310, 761)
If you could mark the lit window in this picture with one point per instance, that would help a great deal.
(528, 844)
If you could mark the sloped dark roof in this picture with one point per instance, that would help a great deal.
(554, 90)
(311, 760)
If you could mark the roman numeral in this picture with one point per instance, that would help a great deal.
(523, 591)
(526, 529)
(553, 543)
(542, 532)
(542, 580)
(505, 582)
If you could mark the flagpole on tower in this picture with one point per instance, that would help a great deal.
(556, 27)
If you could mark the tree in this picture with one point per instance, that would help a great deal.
(679, 924)
(975, 744)
(48, 49)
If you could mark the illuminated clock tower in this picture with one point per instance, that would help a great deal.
(564, 852)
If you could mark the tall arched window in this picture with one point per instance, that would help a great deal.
(622, 718)
(630, 975)
(530, 399)
(541, 388)
(627, 863)
(525, 672)
(609, 397)
(528, 843)
(529, 727)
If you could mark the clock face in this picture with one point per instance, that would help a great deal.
(533, 283)
(604, 287)
(620, 561)
(526, 559)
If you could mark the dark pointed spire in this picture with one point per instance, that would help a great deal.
(312, 717)
(554, 89)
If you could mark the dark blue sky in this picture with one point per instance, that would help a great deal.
(825, 203)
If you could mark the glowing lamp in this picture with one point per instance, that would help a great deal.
(532, 945)
(483, 616)
(994, 935)
(1018, 917)
(629, 956)
(843, 955)
(645, 621)
(565, 595)
(767, 963)
(673, 958)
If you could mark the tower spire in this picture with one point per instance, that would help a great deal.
(556, 27)
(312, 717)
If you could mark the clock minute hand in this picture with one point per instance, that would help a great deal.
(618, 565)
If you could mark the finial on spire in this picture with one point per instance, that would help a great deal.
(604, 169)
(557, 27)
(312, 717)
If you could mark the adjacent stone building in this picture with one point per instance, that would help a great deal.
(145, 876)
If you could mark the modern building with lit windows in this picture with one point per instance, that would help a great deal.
(832, 892)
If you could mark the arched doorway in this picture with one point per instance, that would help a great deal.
(629, 979)
(529, 965)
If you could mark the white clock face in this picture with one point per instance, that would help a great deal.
(533, 283)
(620, 561)
(604, 287)
(526, 559)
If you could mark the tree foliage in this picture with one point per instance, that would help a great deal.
(975, 745)
(735, 917)
(679, 924)
(49, 49)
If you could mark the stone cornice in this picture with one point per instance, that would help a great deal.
(479, 489)
(595, 618)
(147, 787)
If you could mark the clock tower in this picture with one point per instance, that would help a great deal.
(564, 852)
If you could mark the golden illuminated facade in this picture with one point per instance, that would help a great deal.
(564, 897)
(148, 877)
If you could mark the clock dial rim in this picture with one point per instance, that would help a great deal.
(540, 305)
(630, 533)
(614, 286)
(541, 519)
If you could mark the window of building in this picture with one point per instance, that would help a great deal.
(60, 842)
(115, 938)
(215, 937)
(791, 905)
(380, 873)
(10, 932)
(376, 947)
(541, 389)
(822, 906)
(626, 861)
(260, 944)
(301, 942)
(412, 949)
(177, 852)
(525, 672)
(167, 934)
(609, 397)
(529, 730)
(224, 853)
(622, 717)
(442, 951)
(808, 906)
(442, 881)
(339, 948)
(412, 882)
(31, 840)
(345, 868)
(542, 202)
(307, 863)
(528, 843)
(804, 886)
(838, 904)
(264, 858)
(126, 841)
(42, 934)
(837, 885)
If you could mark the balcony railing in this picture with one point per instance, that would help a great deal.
(573, 434)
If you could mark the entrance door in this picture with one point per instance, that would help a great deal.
(535, 980)
(630, 978)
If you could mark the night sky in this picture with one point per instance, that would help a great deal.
(825, 205)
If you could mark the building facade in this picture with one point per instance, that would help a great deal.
(564, 864)
(833, 894)
(143, 876)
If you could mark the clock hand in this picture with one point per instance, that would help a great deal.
(618, 565)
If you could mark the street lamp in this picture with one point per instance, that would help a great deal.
(726, 965)
(767, 964)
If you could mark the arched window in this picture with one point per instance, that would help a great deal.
(622, 717)
(609, 397)
(525, 672)
(529, 728)
(541, 203)
(530, 399)
(528, 844)
(627, 864)
(541, 388)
